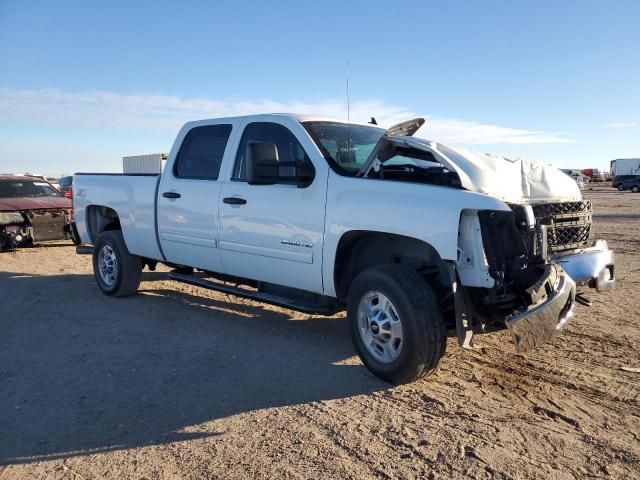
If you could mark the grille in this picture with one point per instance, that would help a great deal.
(48, 226)
(569, 224)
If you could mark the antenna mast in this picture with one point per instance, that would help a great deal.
(348, 97)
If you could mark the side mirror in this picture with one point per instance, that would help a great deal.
(262, 163)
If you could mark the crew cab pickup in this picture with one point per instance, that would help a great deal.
(414, 239)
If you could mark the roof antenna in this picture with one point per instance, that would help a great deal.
(348, 146)
(348, 97)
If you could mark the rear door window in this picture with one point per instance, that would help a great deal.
(201, 153)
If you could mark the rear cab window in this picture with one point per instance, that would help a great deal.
(201, 152)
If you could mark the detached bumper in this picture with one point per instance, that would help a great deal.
(593, 266)
(549, 316)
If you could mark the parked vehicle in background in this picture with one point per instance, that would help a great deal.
(593, 174)
(582, 182)
(619, 181)
(413, 238)
(150, 163)
(31, 210)
(577, 177)
(65, 186)
(632, 184)
(625, 166)
(624, 169)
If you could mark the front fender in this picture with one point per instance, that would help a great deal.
(429, 213)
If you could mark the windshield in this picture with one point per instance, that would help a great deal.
(27, 188)
(344, 145)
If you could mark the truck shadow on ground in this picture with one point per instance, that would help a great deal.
(81, 373)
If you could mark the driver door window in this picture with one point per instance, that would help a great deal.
(288, 147)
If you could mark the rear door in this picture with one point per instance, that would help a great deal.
(188, 196)
(274, 233)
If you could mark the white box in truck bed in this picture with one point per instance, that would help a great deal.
(149, 163)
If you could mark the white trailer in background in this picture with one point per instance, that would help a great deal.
(625, 166)
(150, 163)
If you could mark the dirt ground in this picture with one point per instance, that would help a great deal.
(180, 382)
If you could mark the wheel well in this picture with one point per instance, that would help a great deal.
(359, 250)
(99, 219)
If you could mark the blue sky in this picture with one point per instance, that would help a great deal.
(83, 83)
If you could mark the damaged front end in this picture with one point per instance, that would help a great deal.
(531, 296)
(26, 227)
(564, 232)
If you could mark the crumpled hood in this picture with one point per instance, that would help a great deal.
(519, 181)
(33, 203)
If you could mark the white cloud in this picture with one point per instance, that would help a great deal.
(463, 131)
(166, 113)
(620, 125)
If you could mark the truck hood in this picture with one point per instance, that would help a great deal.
(33, 203)
(519, 181)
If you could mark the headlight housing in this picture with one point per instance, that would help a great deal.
(11, 217)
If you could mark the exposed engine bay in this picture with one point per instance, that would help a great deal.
(24, 228)
(412, 165)
(528, 250)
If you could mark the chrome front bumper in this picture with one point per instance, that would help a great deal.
(593, 266)
(556, 292)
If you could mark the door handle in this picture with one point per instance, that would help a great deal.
(171, 195)
(234, 200)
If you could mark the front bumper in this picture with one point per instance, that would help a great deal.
(556, 292)
(592, 266)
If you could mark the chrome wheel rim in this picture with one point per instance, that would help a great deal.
(108, 265)
(380, 327)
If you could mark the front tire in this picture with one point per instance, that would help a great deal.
(117, 272)
(396, 323)
(635, 189)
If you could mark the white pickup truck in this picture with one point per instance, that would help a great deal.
(414, 239)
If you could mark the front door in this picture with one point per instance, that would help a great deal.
(188, 198)
(274, 233)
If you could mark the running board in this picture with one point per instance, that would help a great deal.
(277, 300)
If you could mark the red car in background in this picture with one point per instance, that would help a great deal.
(31, 210)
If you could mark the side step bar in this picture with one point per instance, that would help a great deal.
(280, 301)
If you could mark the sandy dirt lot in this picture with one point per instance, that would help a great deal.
(179, 382)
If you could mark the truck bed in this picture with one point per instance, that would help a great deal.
(132, 196)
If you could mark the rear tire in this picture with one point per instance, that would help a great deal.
(635, 189)
(396, 354)
(117, 272)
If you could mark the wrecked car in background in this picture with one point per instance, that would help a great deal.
(31, 210)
